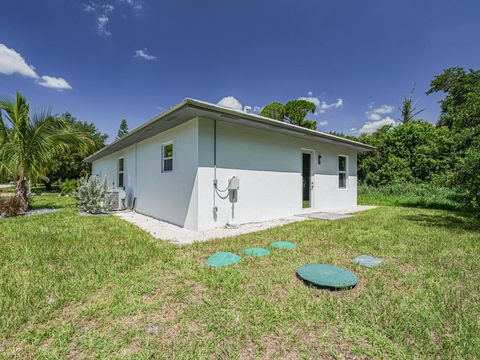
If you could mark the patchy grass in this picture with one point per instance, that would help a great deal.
(83, 287)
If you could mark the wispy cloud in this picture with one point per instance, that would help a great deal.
(108, 8)
(377, 118)
(376, 113)
(135, 4)
(89, 7)
(322, 106)
(144, 54)
(11, 62)
(100, 11)
(102, 22)
(54, 83)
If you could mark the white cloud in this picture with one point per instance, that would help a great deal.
(135, 4)
(384, 109)
(377, 113)
(312, 99)
(144, 54)
(89, 7)
(322, 106)
(11, 62)
(54, 83)
(370, 127)
(102, 25)
(231, 103)
(108, 8)
(376, 119)
(322, 122)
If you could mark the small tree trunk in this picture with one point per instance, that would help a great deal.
(48, 186)
(21, 193)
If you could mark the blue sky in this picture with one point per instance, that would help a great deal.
(107, 60)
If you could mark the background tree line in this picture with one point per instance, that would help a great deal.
(445, 154)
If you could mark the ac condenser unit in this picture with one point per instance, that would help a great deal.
(115, 199)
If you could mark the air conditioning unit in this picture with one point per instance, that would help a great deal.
(115, 199)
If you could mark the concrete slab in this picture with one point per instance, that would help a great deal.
(327, 216)
(337, 214)
(178, 235)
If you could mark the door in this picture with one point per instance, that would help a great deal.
(306, 180)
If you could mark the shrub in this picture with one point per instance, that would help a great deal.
(10, 206)
(68, 187)
(91, 194)
(467, 177)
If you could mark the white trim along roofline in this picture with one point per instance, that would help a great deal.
(195, 108)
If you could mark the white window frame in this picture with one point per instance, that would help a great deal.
(120, 171)
(343, 171)
(164, 145)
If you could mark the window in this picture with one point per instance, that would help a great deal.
(121, 168)
(342, 172)
(167, 157)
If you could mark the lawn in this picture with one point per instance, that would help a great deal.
(97, 287)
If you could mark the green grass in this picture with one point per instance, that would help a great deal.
(89, 287)
(412, 195)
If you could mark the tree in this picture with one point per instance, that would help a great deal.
(274, 110)
(69, 164)
(293, 112)
(28, 143)
(461, 105)
(408, 110)
(123, 130)
(415, 151)
(461, 113)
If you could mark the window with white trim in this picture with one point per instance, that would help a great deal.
(121, 170)
(167, 157)
(342, 172)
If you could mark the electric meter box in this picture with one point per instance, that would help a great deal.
(234, 183)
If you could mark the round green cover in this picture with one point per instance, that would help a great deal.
(283, 245)
(256, 252)
(222, 259)
(327, 276)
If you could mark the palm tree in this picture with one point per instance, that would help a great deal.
(408, 110)
(28, 143)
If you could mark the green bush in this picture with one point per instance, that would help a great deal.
(467, 177)
(68, 187)
(91, 193)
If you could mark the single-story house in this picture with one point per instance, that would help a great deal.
(201, 166)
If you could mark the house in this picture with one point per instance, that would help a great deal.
(200, 166)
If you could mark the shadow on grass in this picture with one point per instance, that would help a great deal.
(457, 221)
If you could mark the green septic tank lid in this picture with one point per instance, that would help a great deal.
(327, 276)
(256, 252)
(283, 245)
(222, 259)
